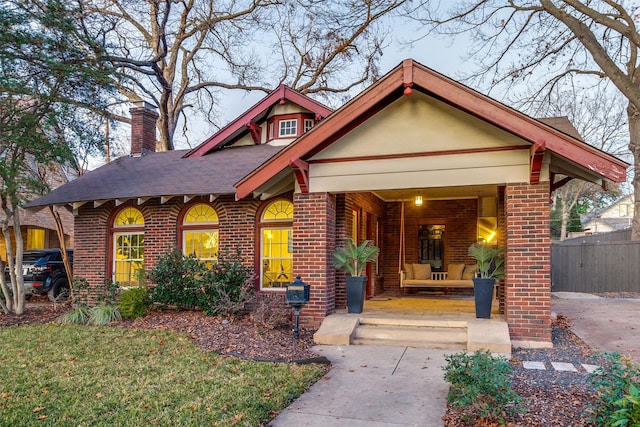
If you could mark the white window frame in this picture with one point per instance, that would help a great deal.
(287, 128)
(308, 124)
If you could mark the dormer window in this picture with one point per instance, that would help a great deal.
(288, 128)
(308, 124)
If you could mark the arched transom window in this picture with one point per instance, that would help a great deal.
(276, 241)
(199, 230)
(128, 247)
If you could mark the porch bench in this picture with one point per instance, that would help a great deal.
(438, 280)
(421, 276)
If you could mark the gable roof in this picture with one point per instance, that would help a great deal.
(256, 114)
(161, 174)
(409, 76)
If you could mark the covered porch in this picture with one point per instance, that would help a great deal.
(418, 133)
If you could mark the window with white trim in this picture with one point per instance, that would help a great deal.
(288, 128)
(276, 245)
(308, 124)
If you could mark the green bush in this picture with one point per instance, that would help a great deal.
(628, 412)
(184, 281)
(613, 382)
(481, 383)
(133, 303)
(179, 280)
(229, 288)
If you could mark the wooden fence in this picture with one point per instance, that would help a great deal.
(595, 265)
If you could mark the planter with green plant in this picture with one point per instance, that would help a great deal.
(490, 262)
(353, 259)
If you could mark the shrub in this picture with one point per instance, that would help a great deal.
(179, 280)
(271, 312)
(613, 381)
(480, 382)
(186, 282)
(628, 413)
(133, 303)
(229, 288)
(107, 293)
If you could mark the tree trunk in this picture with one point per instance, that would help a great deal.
(634, 146)
(63, 246)
(10, 258)
(563, 226)
(18, 286)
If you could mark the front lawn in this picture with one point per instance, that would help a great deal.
(81, 375)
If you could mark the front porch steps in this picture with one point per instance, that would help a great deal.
(411, 333)
(473, 334)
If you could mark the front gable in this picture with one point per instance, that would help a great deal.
(419, 138)
(378, 121)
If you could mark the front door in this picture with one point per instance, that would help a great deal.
(431, 245)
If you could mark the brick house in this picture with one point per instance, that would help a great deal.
(289, 180)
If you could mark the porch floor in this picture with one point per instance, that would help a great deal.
(418, 321)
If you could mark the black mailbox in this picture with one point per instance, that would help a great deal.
(297, 296)
(297, 293)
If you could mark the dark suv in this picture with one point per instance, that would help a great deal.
(44, 273)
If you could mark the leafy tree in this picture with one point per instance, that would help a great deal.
(182, 54)
(52, 78)
(544, 43)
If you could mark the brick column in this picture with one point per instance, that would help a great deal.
(314, 226)
(528, 264)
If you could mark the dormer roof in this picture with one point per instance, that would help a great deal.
(257, 114)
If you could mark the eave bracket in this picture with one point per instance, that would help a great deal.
(255, 131)
(301, 170)
(536, 154)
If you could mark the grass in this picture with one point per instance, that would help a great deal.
(70, 375)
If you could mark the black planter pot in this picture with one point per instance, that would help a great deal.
(355, 293)
(483, 293)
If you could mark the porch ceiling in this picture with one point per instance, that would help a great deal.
(438, 193)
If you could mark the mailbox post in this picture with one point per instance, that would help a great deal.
(297, 296)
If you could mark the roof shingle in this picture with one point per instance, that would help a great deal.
(162, 174)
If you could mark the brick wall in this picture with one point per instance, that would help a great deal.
(459, 216)
(237, 230)
(370, 210)
(527, 278)
(314, 230)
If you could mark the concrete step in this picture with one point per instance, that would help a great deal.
(411, 336)
(416, 331)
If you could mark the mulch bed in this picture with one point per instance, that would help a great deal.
(552, 398)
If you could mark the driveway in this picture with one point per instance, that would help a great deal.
(606, 324)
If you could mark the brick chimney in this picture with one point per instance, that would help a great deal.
(143, 128)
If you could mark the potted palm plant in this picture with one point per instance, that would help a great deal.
(490, 262)
(353, 259)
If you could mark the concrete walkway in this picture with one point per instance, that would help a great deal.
(606, 324)
(373, 386)
(404, 386)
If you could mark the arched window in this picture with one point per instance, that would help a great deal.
(276, 241)
(199, 230)
(128, 247)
